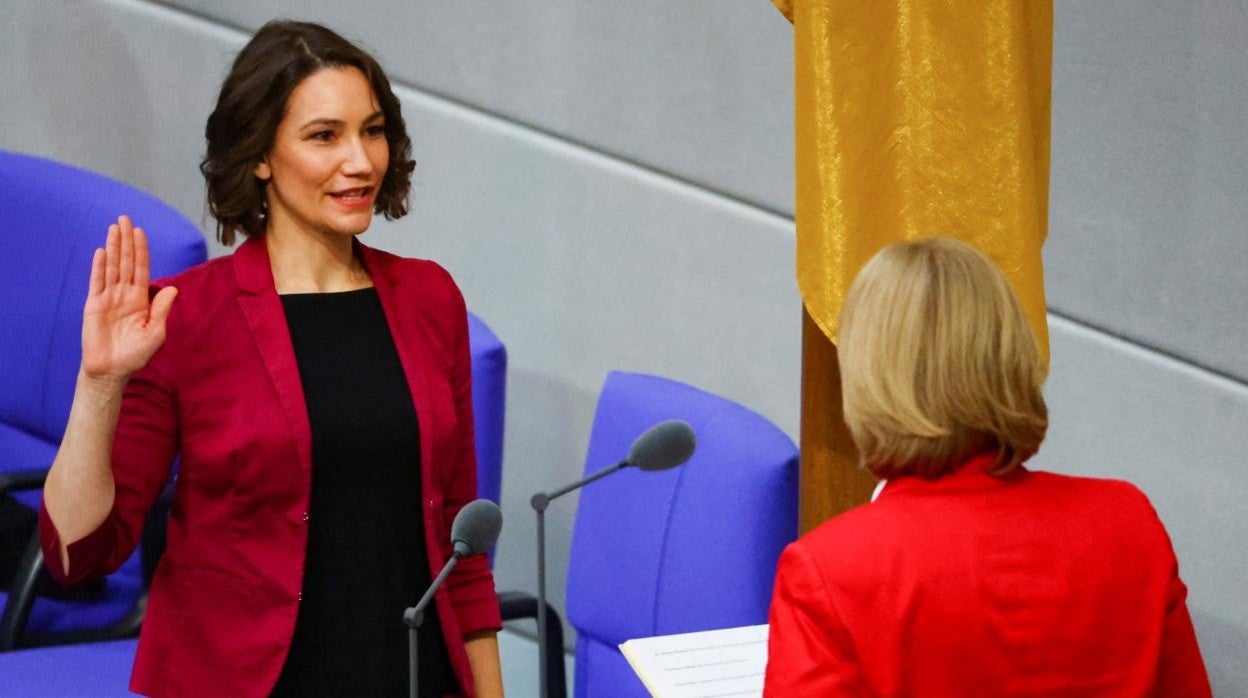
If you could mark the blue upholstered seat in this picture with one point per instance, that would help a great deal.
(489, 398)
(98, 670)
(689, 549)
(55, 217)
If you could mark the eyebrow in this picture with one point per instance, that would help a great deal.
(339, 122)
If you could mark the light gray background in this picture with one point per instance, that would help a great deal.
(611, 184)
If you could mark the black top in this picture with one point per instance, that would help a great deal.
(366, 558)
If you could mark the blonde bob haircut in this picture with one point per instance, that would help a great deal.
(938, 363)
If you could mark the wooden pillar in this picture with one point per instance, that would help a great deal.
(831, 481)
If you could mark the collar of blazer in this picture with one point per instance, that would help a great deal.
(974, 474)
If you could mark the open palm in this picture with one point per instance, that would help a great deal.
(121, 327)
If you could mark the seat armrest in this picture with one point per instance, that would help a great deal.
(17, 480)
(21, 596)
(517, 604)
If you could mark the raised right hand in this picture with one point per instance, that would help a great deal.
(121, 329)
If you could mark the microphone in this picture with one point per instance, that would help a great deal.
(474, 530)
(661, 447)
(476, 527)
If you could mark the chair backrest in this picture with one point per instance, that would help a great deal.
(56, 216)
(489, 402)
(689, 549)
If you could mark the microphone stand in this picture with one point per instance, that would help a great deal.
(540, 502)
(414, 617)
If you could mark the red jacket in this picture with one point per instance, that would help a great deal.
(972, 585)
(224, 394)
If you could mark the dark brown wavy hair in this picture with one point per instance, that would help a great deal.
(241, 130)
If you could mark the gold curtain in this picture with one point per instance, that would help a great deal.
(918, 118)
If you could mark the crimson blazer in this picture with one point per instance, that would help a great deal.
(223, 393)
(972, 585)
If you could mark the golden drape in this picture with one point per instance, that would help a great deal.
(918, 118)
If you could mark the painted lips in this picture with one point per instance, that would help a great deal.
(354, 198)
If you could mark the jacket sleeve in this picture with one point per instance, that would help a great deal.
(809, 650)
(471, 584)
(1180, 668)
(143, 449)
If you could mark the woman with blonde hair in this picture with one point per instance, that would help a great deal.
(968, 574)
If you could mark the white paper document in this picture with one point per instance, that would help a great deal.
(713, 664)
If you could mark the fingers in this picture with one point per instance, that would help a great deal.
(125, 265)
(112, 256)
(142, 259)
(127, 259)
(96, 285)
(161, 305)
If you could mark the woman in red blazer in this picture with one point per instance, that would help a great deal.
(273, 379)
(969, 575)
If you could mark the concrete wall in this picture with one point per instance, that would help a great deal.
(611, 184)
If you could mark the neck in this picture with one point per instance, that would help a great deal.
(306, 263)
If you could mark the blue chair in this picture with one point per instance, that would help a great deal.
(57, 216)
(489, 408)
(689, 549)
(489, 403)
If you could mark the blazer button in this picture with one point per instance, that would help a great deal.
(305, 517)
(299, 596)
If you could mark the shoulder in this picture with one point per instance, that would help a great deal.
(855, 537)
(1118, 507)
(1117, 525)
(1107, 495)
(208, 274)
(203, 291)
(842, 561)
(422, 275)
(423, 290)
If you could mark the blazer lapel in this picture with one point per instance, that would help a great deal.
(410, 340)
(263, 309)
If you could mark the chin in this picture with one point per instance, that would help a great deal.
(351, 227)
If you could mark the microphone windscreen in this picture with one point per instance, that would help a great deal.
(662, 446)
(476, 527)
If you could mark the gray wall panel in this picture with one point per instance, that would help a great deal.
(702, 90)
(1178, 433)
(1149, 223)
(119, 88)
